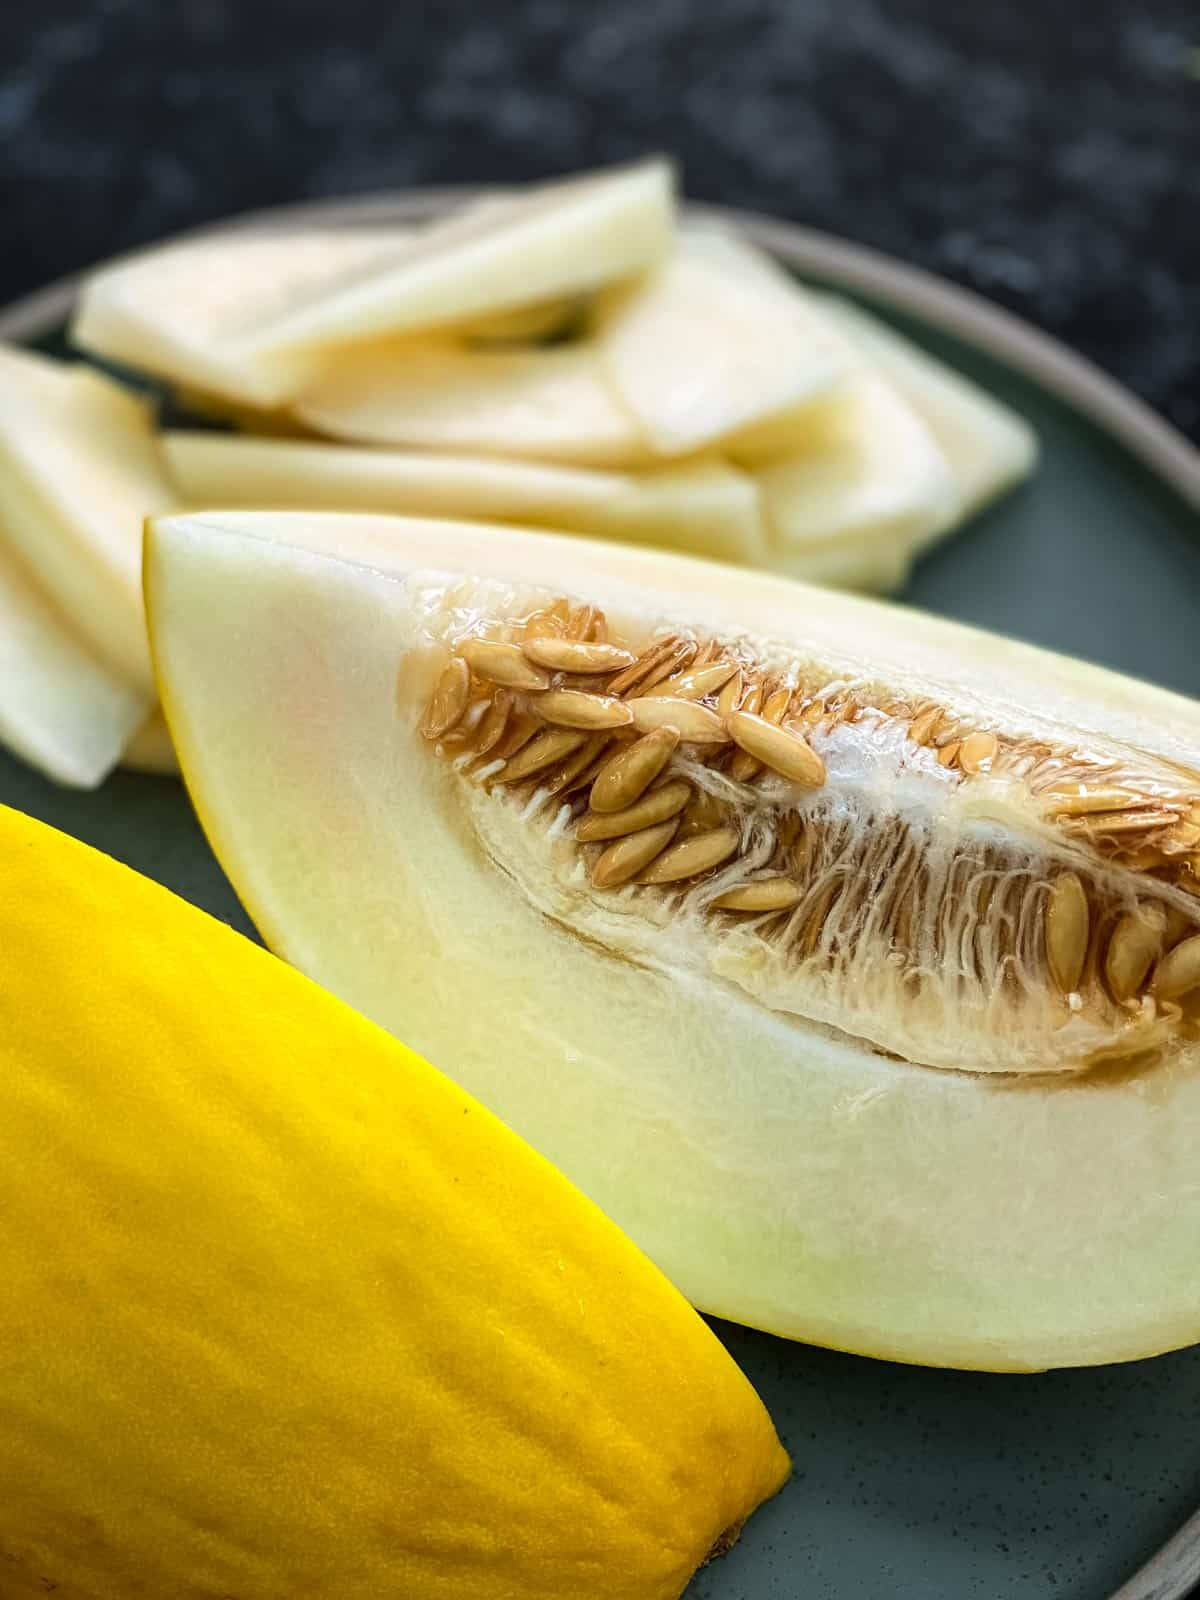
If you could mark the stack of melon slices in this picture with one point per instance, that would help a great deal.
(568, 357)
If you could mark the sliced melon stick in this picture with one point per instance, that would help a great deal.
(550, 404)
(150, 749)
(705, 507)
(171, 310)
(80, 470)
(889, 1140)
(869, 473)
(61, 709)
(713, 340)
(987, 445)
(538, 244)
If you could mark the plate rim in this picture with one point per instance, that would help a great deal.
(1072, 378)
(1149, 437)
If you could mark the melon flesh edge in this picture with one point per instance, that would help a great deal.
(150, 749)
(782, 1175)
(79, 472)
(61, 710)
(506, 252)
(706, 506)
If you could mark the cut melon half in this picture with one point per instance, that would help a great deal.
(714, 340)
(987, 445)
(61, 709)
(848, 957)
(551, 404)
(705, 507)
(507, 252)
(174, 311)
(79, 472)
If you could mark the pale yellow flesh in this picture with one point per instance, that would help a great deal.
(550, 405)
(706, 506)
(783, 1176)
(511, 251)
(987, 446)
(61, 710)
(174, 311)
(150, 749)
(79, 473)
(286, 1313)
(712, 341)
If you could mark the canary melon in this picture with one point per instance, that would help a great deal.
(287, 1313)
(848, 957)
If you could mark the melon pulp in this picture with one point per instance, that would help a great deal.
(928, 1127)
(61, 709)
(173, 310)
(79, 471)
(286, 1312)
(704, 506)
(501, 254)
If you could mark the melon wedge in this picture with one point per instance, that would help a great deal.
(61, 710)
(175, 310)
(989, 1201)
(507, 252)
(79, 472)
(551, 404)
(868, 483)
(705, 507)
(286, 1313)
(714, 340)
(987, 446)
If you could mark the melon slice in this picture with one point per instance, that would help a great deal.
(987, 446)
(174, 310)
(715, 340)
(507, 252)
(868, 481)
(61, 709)
(150, 749)
(885, 1040)
(552, 404)
(79, 472)
(705, 507)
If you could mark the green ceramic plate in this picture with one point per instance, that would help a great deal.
(914, 1484)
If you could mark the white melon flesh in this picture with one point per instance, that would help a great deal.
(868, 477)
(79, 472)
(550, 404)
(784, 1173)
(61, 710)
(508, 252)
(150, 749)
(715, 340)
(987, 446)
(174, 311)
(705, 507)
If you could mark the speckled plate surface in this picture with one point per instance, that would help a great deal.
(913, 1484)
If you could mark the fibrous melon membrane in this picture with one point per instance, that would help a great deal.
(883, 1035)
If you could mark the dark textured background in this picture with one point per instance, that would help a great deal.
(1046, 152)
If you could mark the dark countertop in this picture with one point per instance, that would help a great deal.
(1046, 154)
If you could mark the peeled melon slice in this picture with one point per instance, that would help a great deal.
(869, 478)
(176, 310)
(926, 1085)
(61, 710)
(286, 1313)
(79, 472)
(150, 749)
(705, 507)
(987, 446)
(508, 252)
(552, 404)
(714, 340)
